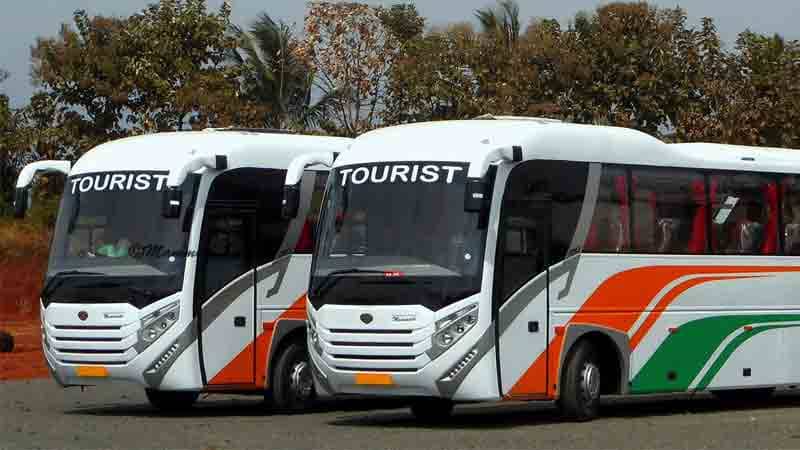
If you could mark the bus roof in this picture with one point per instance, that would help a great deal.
(466, 140)
(165, 151)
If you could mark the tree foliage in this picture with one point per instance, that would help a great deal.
(353, 50)
(276, 77)
(161, 69)
(177, 65)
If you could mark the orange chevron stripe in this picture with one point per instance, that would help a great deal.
(668, 298)
(241, 366)
(617, 304)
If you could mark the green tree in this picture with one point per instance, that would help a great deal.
(641, 60)
(403, 21)
(352, 51)
(750, 96)
(434, 78)
(501, 22)
(7, 146)
(276, 77)
(163, 68)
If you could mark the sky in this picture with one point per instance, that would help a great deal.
(23, 21)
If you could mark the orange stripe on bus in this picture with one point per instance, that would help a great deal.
(617, 304)
(668, 298)
(241, 366)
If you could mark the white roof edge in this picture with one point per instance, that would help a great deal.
(467, 140)
(521, 118)
(164, 151)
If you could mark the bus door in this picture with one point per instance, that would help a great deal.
(225, 300)
(521, 292)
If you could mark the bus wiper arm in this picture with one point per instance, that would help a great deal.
(332, 278)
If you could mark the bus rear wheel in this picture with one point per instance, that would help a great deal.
(171, 400)
(293, 384)
(432, 410)
(580, 387)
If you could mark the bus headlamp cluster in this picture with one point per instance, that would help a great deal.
(155, 324)
(451, 328)
(311, 329)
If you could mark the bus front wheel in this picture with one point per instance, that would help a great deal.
(293, 386)
(171, 400)
(580, 387)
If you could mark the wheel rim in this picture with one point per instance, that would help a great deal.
(590, 382)
(300, 381)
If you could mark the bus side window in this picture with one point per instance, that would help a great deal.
(790, 188)
(609, 232)
(669, 211)
(308, 236)
(745, 215)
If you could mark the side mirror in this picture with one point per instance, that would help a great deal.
(171, 209)
(291, 201)
(474, 195)
(20, 202)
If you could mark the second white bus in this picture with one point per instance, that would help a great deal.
(522, 259)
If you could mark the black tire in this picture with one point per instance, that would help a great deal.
(293, 382)
(171, 401)
(580, 384)
(6, 342)
(743, 395)
(432, 410)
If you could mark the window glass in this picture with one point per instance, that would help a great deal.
(669, 211)
(744, 214)
(791, 215)
(243, 227)
(610, 224)
(305, 244)
(395, 234)
(541, 208)
(228, 250)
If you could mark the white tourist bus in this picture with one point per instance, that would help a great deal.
(172, 266)
(524, 259)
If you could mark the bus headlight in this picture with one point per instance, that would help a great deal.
(311, 329)
(451, 328)
(157, 323)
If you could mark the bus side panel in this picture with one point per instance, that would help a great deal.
(286, 302)
(573, 284)
(692, 322)
(281, 297)
(724, 327)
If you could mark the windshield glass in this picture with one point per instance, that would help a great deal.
(111, 242)
(397, 234)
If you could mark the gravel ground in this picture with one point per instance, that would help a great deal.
(38, 414)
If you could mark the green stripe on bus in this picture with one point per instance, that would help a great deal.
(730, 348)
(681, 357)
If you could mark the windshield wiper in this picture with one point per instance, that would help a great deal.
(332, 277)
(57, 278)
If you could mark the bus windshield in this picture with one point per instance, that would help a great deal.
(112, 244)
(397, 234)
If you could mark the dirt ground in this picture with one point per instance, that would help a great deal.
(26, 361)
(20, 283)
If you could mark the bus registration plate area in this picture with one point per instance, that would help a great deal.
(91, 371)
(374, 379)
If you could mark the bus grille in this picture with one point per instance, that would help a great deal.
(375, 350)
(89, 345)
